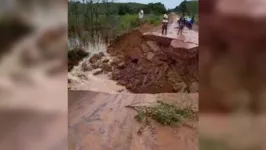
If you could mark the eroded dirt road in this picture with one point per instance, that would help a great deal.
(100, 121)
(188, 36)
(98, 118)
(152, 49)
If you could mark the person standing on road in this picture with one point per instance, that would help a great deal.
(141, 15)
(180, 19)
(192, 20)
(182, 23)
(165, 24)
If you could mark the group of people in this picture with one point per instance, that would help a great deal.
(183, 22)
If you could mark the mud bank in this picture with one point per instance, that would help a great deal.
(147, 63)
(154, 64)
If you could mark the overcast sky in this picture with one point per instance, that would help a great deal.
(167, 3)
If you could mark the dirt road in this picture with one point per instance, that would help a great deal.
(188, 36)
(229, 131)
(100, 121)
(98, 118)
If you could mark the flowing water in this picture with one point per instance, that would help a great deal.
(89, 81)
(93, 47)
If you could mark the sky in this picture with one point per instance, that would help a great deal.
(167, 3)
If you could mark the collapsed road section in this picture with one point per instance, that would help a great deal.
(149, 63)
(150, 68)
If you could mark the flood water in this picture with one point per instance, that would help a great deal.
(93, 47)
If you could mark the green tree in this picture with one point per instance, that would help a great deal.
(124, 9)
(156, 8)
(90, 19)
(183, 7)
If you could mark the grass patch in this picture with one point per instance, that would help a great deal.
(168, 114)
(128, 22)
(109, 28)
(164, 113)
(153, 19)
(140, 116)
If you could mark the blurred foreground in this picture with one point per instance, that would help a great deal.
(33, 74)
(232, 88)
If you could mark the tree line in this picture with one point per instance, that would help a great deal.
(86, 18)
(129, 8)
(187, 7)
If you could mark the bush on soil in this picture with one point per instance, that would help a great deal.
(164, 113)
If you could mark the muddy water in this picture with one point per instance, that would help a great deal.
(99, 83)
(89, 81)
(100, 46)
(93, 47)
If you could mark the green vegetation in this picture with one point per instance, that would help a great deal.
(129, 22)
(166, 114)
(89, 19)
(188, 7)
(154, 19)
(140, 116)
(196, 19)
(163, 113)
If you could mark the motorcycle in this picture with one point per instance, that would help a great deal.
(188, 24)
